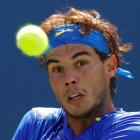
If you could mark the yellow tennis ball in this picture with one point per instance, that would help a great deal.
(32, 40)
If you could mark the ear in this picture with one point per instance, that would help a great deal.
(111, 65)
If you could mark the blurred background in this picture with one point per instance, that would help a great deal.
(24, 84)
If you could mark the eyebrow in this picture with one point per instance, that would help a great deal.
(51, 60)
(80, 54)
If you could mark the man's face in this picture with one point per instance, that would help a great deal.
(78, 78)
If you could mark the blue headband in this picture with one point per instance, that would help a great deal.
(70, 34)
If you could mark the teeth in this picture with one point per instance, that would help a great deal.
(74, 95)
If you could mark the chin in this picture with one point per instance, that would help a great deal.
(88, 113)
(81, 115)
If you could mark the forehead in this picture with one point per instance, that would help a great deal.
(69, 50)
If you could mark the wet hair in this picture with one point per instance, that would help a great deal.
(91, 20)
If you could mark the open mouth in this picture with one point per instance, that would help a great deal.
(75, 96)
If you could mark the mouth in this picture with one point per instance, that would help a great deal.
(75, 97)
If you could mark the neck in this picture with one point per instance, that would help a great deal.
(79, 125)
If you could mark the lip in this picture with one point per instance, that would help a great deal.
(76, 92)
(76, 100)
(70, 93)
(75, 97)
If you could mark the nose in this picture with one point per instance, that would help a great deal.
(69, 83)
(70, 78)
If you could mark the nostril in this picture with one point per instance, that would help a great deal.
(73, 82)
(66, 84)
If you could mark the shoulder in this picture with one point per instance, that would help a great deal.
(44, 113)
(123, 114)
(37, 121)
(128, 120)
(122, 125)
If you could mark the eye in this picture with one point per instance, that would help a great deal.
(57, 69)
(81, 63)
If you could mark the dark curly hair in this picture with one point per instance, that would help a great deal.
(91, 20)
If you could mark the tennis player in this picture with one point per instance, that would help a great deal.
(83, 65)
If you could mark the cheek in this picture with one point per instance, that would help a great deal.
(93, 76)
(55, 87)
(54, 79)
(53, 82)
(56, 84)
(92, 72)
